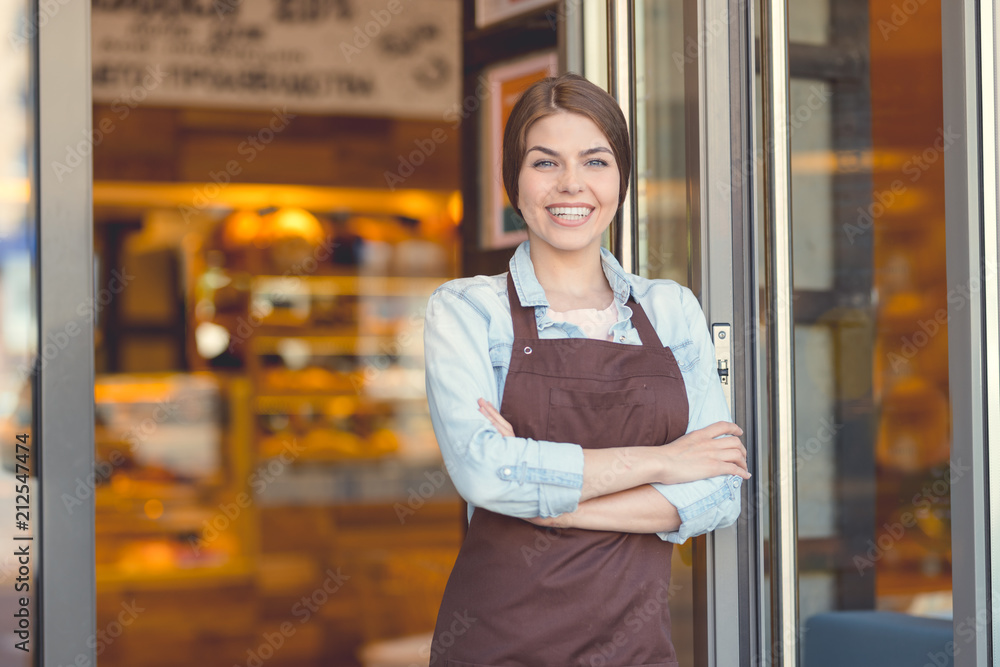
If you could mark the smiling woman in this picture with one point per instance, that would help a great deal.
(574, 98)
(569, 184)
(613, 438)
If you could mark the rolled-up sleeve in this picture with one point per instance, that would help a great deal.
(515, 476)
(703, 505)
(707, 504)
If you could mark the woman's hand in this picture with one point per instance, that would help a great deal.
(491, 413)
(703, 454)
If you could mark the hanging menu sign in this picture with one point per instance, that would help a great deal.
(360, 57)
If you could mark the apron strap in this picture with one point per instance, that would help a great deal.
(647, 334)
(525, 326)
(523, 317)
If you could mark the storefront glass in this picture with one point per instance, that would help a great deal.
(870, 309)
(666, 58)
(275, 200)
(272, 486)
(663, 60)
(19, 487)
(274, 454)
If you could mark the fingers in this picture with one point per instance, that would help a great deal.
(741, 471)
(719, 434)
(740, 447)
(730, 462)
(491, 412)
(487, 410)
(733, 457)
(719, 429)
(718, 448)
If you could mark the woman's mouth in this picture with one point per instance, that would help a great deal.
(569, 215)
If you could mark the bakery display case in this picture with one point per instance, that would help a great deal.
(290, 441)
(169, 454)
(349, 387)
(324, 315)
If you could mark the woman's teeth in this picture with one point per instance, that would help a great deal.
(569, 213)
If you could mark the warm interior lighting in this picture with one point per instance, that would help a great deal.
(142, 196)
(240, 228)
(291, 223)
(153, 508)
(211, 339)
(455, 207)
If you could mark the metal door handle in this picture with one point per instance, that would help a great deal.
(722, 337)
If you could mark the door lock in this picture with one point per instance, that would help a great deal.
(722, 337)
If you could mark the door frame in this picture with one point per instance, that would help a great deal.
(971, 56)
(733, 561)
(734, 556)
(727, 562)
(64, 384)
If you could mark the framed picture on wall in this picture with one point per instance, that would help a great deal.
(489, 12)
(501, 227)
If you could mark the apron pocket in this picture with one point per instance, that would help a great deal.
(598, 419)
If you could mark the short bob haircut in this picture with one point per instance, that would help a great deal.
(575, 94)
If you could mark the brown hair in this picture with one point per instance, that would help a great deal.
(575, 94)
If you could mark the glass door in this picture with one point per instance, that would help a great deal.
(791, 169)
(673, 65)
(666, 130)
(848, 415)
(692, 198)
(855, 393)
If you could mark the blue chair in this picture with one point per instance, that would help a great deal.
(877, 639)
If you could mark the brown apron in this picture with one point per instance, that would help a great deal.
(524, 595)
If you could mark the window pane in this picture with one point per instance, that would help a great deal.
(662, 60)
(871, 358)
(665, 55)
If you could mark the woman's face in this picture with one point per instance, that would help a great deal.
(568, 185)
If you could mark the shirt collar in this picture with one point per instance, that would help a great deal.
(530, 291)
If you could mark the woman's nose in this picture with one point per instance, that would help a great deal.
(570, 180)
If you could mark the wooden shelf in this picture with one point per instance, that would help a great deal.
(337, 344)
(238, 571)
(369, 286)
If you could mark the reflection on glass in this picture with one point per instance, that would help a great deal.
(760, 512)
(911, 364)
(871, 360)
(663, 227)
(661, 186)
(809, 21)
(18, 335)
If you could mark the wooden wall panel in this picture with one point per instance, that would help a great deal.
(150, 144)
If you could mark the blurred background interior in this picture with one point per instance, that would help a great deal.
(263, 442)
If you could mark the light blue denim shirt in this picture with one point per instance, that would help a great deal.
(467, 342)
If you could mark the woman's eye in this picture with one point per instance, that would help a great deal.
(598, 162)
(543, 163)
